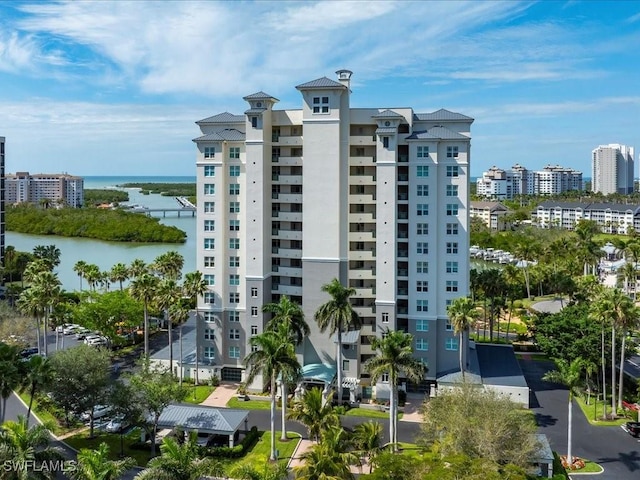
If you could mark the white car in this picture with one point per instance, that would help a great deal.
(96, 341)
(71, 328)
(117, 424)
(99, 411)
(82, 333)
(60, 328)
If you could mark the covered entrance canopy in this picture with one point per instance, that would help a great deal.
(319, 372)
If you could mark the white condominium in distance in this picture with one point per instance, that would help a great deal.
(612, 169)
(290, 199)
(500, 184)
(2, 200)
(56, 188)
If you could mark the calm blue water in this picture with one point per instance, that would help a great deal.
(112, 181)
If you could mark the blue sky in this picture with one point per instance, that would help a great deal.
(114, 88)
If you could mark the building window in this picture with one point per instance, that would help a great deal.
(234, 316)
(234, 352)
(452, 229)
(423, 152)
(209, 152)
(452, 152)
(385, 318)
(451, 344)
(254, 330)
(234, 207)
(208, 334)
(254, 311)
(385, 142)
(209, 243)
(422, 248)
(254, 122)
(447, 302)
(422, 344)
(209, 171)
(320, 104)
(452, 209)
(234, 189)
(384, 378)
(209, 262)
(422, 209)
(345, 365)
(234, 225)
(422, 286)
(234, 152)
(209, 279)
(234, 243)
(209, 317)
(452, 267)
(423, 190)
(209, 225)
(452, 285)
(422, 325)
(209, 189)
(452, 171)
(234, 170)
(452, 190)
(422, 267)
(422, 170)
(209, 352)
(234, 297)
(234, 334)
(422, 228)
(209, 298)
(449, 326)
(422, 305)
(234, 279)
(209, 207)
(234, 262)
(452, 247)
(254, 292)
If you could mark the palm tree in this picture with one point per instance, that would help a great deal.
(328, 460)
(194, 286)
(276, 471)
(630, 276)
(50, 254)
(274, 354)
(93, 275)
(367, 438)
(119, 273)
(30, 304)
(287, 313)
(47, 287)
(599, 311)
(80, 268)
(527, 252)
(394, 358)
(463, 314)
(143, 289)
(627, 322)
(168, 293)
(37, 375)
(180, 313)
(11, 374)
(569, 375)
(314, 413)
(181, 462)
(337, 315)
(138, 268)
(169, 265)
(10, 258)
(22, 445)
(96, 465)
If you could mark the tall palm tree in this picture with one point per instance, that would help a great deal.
(137, 268)
(96, 465)
(569, 375)
(330, 459)
(119, 273)
(274, 354)
(38, 374)
(143, 289)
(30, 304)
(194, 286)
(337, 315)
(48, 288)
(290, 314)
(527, 252)
(599, 311)
(463, 314)
(10, 374)
(169, 293)
(93, 275)
(394, 358)
(627, 322)
(367, 438)
(80, 268)
(169, 265)
(180, 313)
(314, 413)
(10, 257)
(181, 462)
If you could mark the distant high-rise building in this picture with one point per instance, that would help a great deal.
(58, 189)
(2, 201)
(612, 169)
(501, 184)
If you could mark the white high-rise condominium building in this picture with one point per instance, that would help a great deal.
(55, 188)
(290, 199)
(612, 169)
(2, 200)
(505, 184)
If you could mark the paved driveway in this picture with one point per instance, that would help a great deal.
(611, 447)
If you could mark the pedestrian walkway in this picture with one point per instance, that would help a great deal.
(302, 447)
(221, 395)
(412, 411)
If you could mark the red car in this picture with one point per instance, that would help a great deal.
(633, 428)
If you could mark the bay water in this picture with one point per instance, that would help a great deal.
(107, 254)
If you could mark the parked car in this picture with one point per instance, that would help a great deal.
(60, 328)
(82, 332)
(99, 411)
(90, 337)
(71, 328)
(117, 424)
(97, 342)
(633, 429)
(29, 352)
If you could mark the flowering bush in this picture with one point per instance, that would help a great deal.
(577, 464)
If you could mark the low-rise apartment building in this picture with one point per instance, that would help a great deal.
(491, 213)
(57, 189)
(611, 217)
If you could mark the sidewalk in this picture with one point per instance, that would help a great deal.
(412, 411)
(302, 447)
(221, 395)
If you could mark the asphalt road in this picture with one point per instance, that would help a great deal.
(613, 448)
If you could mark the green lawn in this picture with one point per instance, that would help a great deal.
(198, 394)
(47, 418)
(589, 468)
(367, 413)
(82, 440)
(235, 402)
(595, 410)
(258, 456)
(536, 357)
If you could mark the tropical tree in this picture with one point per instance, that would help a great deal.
(527, 252)
(168, 293)
(628, 321)
(569, 375)
(276, 471)
(38, 374)
(194, 286)
(10, 374)
(463, 314)
(95, 464)
(169, 265)
(80, 268)
(119, 273)
(180, 313)
(290, 314)
(394, 358)
(337, 315)
(181, 461)
(367, 439)
(143, 288)
(50, 254)
(274, 353)
(315, 414)
(47, 287)
(93, 275)
(29, 303)
(330, 459)
(137, 268)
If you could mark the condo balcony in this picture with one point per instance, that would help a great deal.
(362, 199)
(362, 236)
(290, 290)
(363, 273)
(362, 217)
(366, 140)
(357, 161)
(362, 255)
(283, 179)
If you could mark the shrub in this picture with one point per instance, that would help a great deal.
(214, 381)
(233, 452)
(517, 304)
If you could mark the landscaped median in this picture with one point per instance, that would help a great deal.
(593, 413)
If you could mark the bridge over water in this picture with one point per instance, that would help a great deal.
(185, 206)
